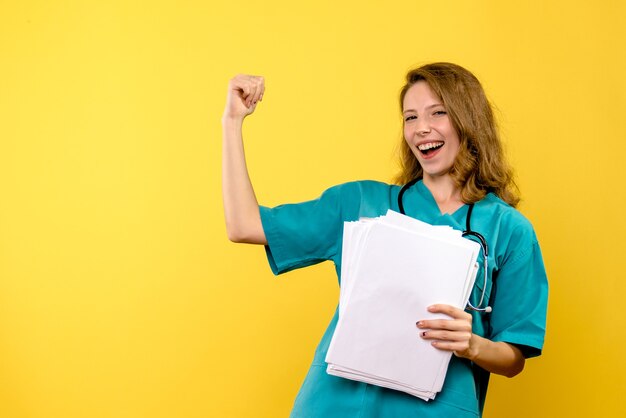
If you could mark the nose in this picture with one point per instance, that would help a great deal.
(423, 126)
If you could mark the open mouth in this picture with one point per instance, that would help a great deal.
(429, 147)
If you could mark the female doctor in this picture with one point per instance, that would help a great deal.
(454, 174)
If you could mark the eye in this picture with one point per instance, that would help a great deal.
(440, 113)
(411, 117)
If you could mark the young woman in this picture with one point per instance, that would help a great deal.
(454, 174)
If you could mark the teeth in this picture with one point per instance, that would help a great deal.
(429, 145)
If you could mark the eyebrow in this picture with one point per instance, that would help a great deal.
(427, 107)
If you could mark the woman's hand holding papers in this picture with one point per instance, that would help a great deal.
(456, 335)
(453, 334)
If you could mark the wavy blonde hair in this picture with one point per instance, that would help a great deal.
(480, 166)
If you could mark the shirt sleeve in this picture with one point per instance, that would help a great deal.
(303, 234)
(521, 297)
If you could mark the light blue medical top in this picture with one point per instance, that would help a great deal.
(307, 233)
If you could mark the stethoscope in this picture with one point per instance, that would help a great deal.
(468, 232)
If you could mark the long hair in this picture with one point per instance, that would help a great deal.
(480, 166)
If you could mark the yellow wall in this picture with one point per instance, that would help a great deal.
(120, 295)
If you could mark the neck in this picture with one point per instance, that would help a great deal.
(446, 193)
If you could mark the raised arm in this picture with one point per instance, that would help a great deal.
(241, 209)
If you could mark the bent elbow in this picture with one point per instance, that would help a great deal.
(235, 234)
(517, 368)
(245, 235)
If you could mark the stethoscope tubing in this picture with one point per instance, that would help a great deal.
(467, 233)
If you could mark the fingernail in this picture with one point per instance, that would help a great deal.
(419, 324)
(424, 334)
(431, 308)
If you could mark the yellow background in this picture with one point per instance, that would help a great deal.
(120, 295)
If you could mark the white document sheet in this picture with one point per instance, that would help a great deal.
(393, 268)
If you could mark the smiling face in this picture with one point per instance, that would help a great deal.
(428, 131)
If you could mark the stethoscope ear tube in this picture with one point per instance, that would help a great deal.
(401, 194)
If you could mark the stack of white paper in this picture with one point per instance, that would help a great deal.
(393, 268)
